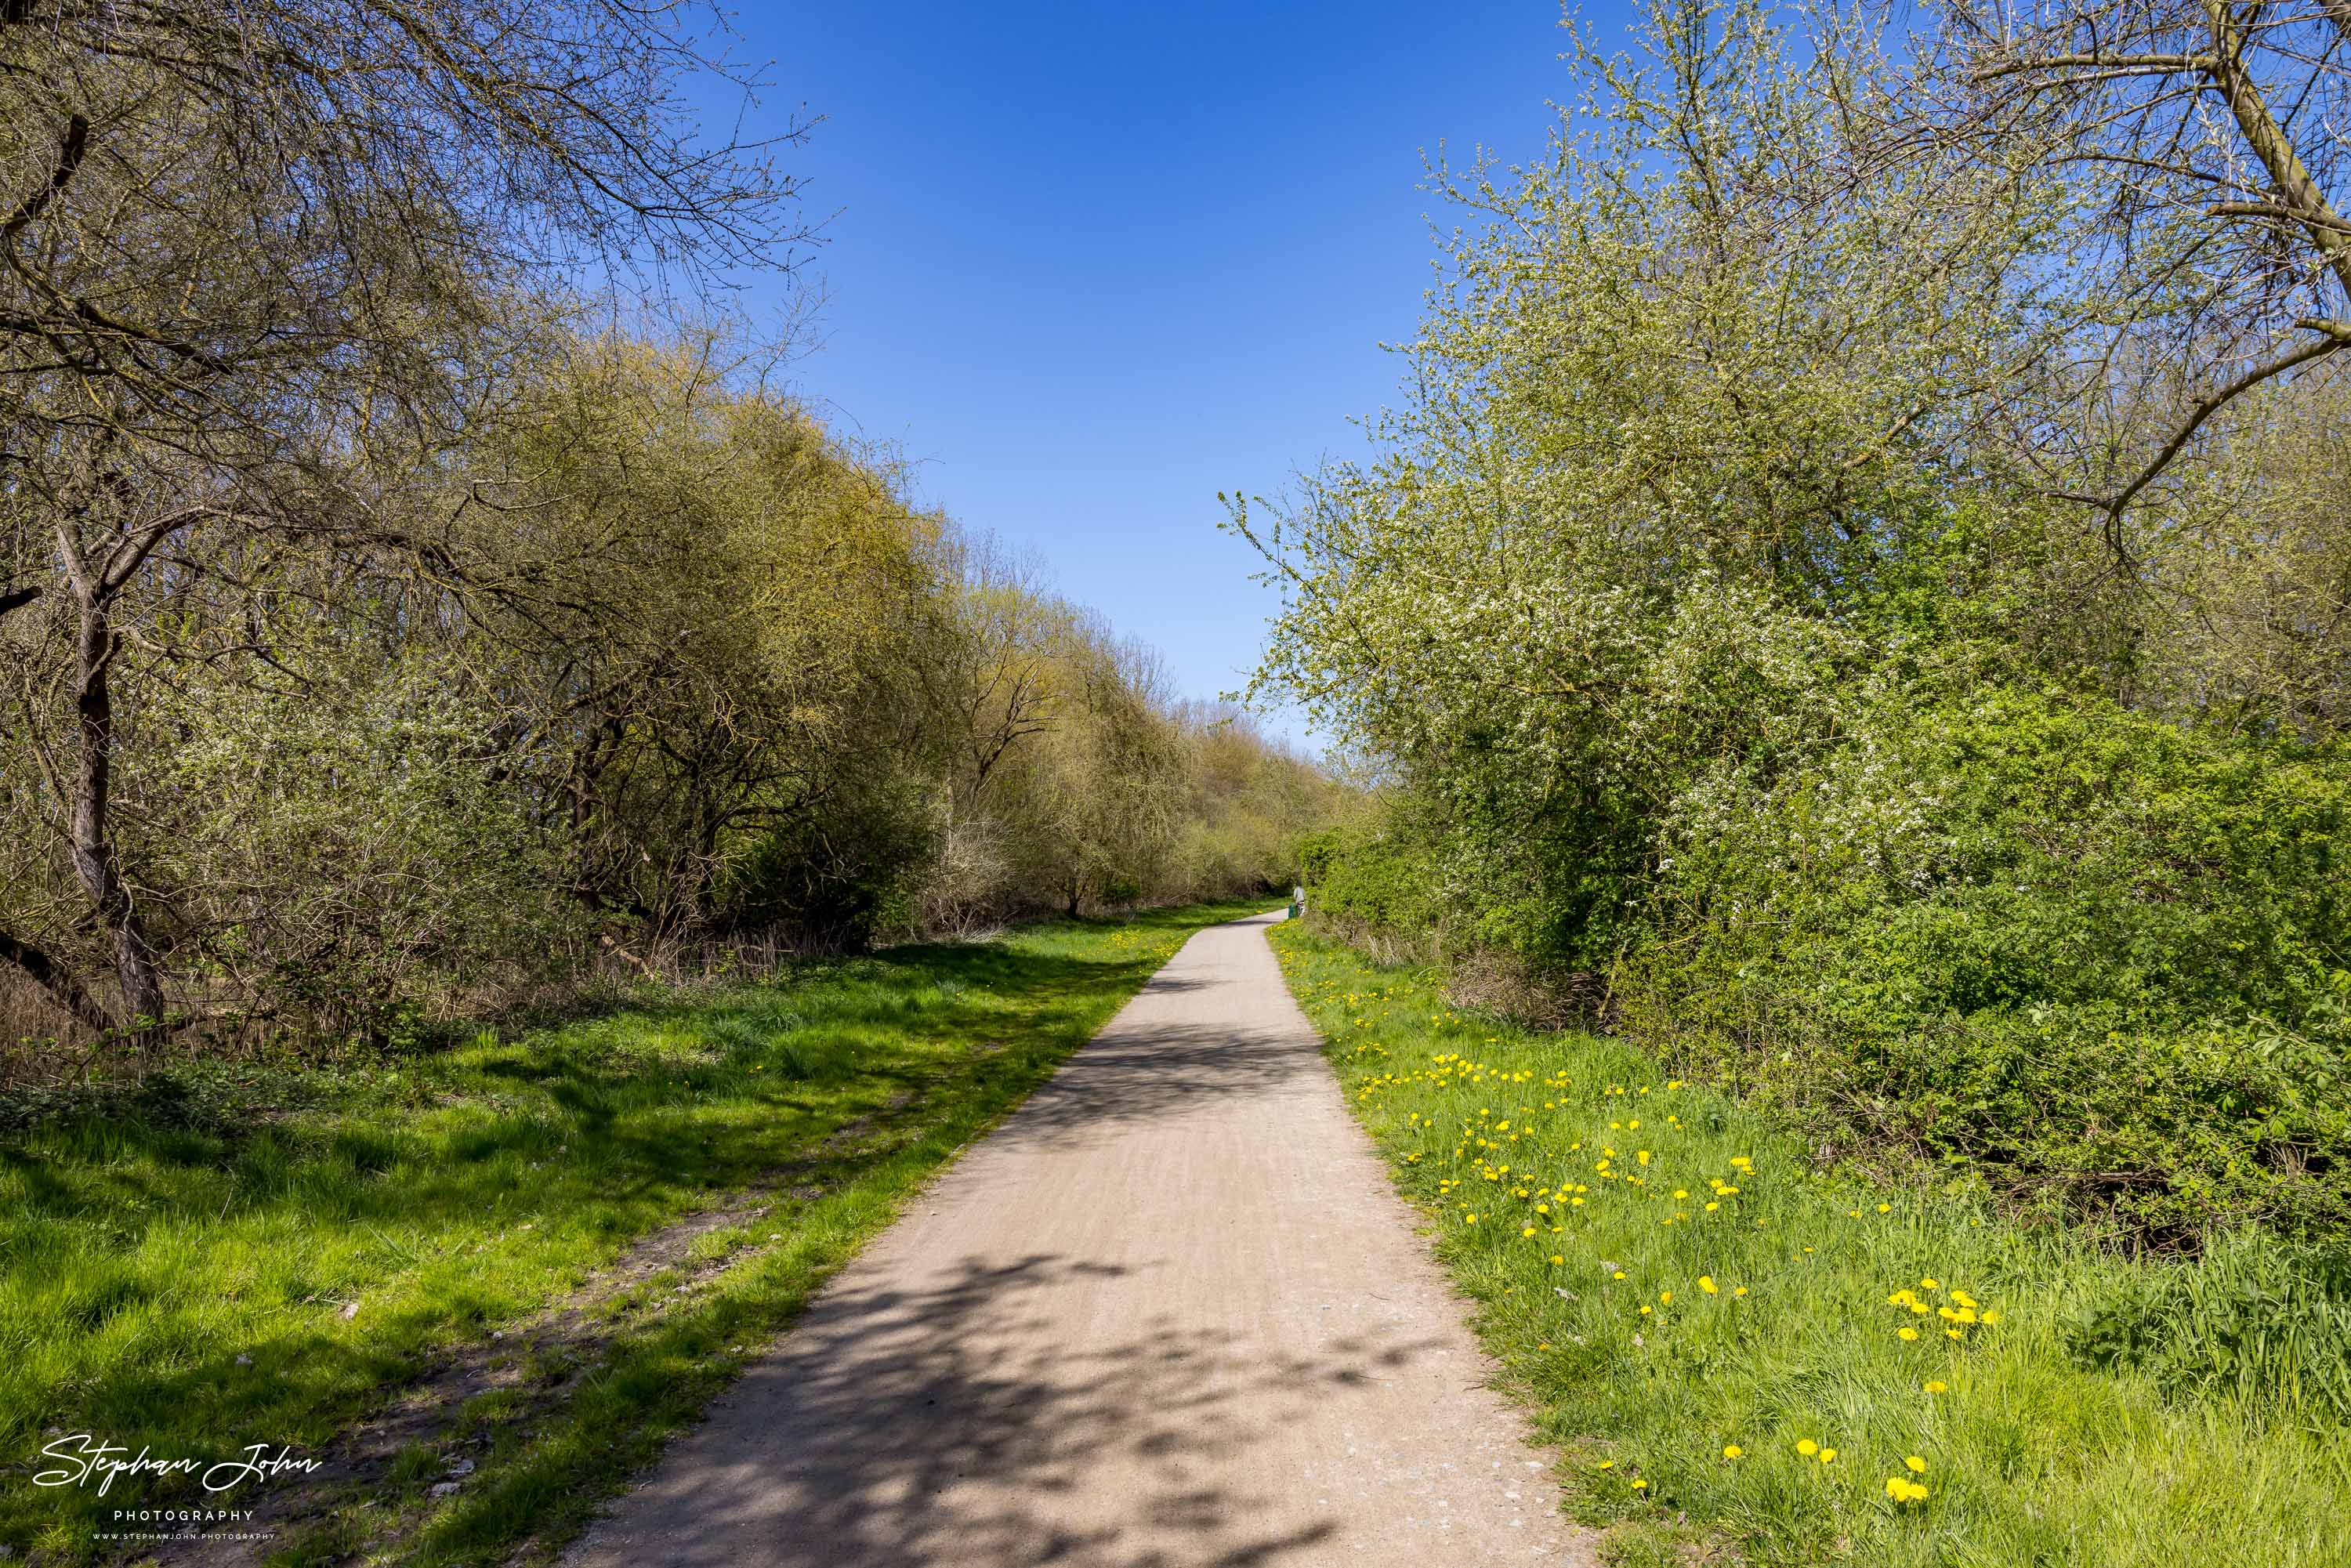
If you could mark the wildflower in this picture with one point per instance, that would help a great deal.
(1619, 1274)
(1828, 1455)
(1641, 1486)
(1930, 1285)
(1902, 1490)
(1706, 1283)
(1917, 1466)
(1953, 1333)
(1733, 1450)
(1807, 1448)
(1665, 1298)
(1936, 1386)
(1738, 1289)
(1607, 1464)
(1905, 1333)
(1884, 1209)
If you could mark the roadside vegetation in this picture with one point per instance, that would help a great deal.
(1848, 627)
(1860, 601)
(1736, 1349)
(397, 632)
(234, 1252)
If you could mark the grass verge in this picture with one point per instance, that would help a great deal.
(1741, 1355)
(238, 1256)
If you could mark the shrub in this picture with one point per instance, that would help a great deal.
(2084, 955)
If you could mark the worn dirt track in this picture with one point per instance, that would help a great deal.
(1170, 1314)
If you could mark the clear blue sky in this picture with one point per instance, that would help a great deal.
(1089, 264)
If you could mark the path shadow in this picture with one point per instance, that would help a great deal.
(1157, 1073)
(952, 1425)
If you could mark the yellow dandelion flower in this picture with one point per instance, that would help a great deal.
(1807, 1448)
(1906, 1333)
(1738, 1289)
(1915, 1465)
(1937, 1386)
(1640, 1486)
(1706, 1283)
(1733, 1450)
(1884, 1209)
(1665, 1298)
(1828, 1455)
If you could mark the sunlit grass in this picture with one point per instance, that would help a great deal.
(1698, 1318)
(249, 1256)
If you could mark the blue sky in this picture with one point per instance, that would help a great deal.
(1087, 266)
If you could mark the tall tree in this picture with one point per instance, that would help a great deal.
(252, 251)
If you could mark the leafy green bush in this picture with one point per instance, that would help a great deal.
(1369, 880)
(2084, 955)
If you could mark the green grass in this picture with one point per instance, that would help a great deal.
(176, 1264)
(2029, 1456)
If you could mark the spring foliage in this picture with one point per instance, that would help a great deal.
(650, 664)
(1741, 665)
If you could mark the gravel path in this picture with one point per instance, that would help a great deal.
(1170, 1314)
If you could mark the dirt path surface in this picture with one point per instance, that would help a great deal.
(1170, 1314)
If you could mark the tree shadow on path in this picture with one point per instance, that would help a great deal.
(919, 1428)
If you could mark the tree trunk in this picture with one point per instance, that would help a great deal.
(55, 980)
(93, 852)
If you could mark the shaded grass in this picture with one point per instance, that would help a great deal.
(2030, 1455)
(234, 1258)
